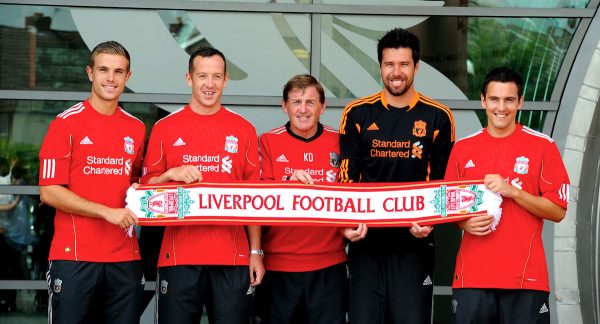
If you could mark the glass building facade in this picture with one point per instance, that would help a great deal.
(45, 46)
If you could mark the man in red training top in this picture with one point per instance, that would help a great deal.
(205, 265)
(501, 274)
(90, 156)
(306, 265)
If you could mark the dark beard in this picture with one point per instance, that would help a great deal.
(398, 93)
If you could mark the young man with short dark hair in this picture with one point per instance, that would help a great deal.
(90, 156)
(205, 265)
(501, 274)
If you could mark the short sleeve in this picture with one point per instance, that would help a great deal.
(55, 154)
(453, 171)
(442, 146)
(554, 181)
(266, 162)
(349, 148)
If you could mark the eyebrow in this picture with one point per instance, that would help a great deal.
(106, 67)
(500, 97)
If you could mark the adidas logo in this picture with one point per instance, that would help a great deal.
(427, 281)
(179, 142)
(86, 141)
(282, 158)
(470, 164)
(373, 127)
(544, 309)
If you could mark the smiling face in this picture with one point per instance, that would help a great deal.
(109, 76)
(304, 108)
(207, 80)
(501, 103)
(398, 72)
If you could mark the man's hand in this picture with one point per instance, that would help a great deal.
(478, 225)
(420, 231)
(257, 270)
(185, 173)
(302, 176)
(121, 217)
(354, 234)
(495, 183)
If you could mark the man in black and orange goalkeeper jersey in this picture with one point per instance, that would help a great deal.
(396, 135)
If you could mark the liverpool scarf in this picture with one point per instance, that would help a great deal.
(294, 203)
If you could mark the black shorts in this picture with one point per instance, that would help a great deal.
(183, 291)
(304, 297)
(83, 292)
(395, 288)
(506, 306)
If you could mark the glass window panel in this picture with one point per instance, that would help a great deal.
(456, 53)
(470, 3)
(263, 49)
(42, 17)
(23, 125)
(40, 49)
(31, 306)
(534, 47)
(25, 233)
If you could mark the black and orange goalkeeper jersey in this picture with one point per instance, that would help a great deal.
(382, 143)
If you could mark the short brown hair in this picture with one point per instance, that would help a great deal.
(205, 52)
(503, 75)
(301, 82)
(109, 47)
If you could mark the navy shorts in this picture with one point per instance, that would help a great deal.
(396, 288)
(502, 306)
(183, 291)
(89, 292)
(316, 297)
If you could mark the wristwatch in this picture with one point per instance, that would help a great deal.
(259, 252)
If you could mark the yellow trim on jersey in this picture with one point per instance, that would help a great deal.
(383, 100)
(413, 101)
(365, 100)
(343, 173)
(443, 108)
